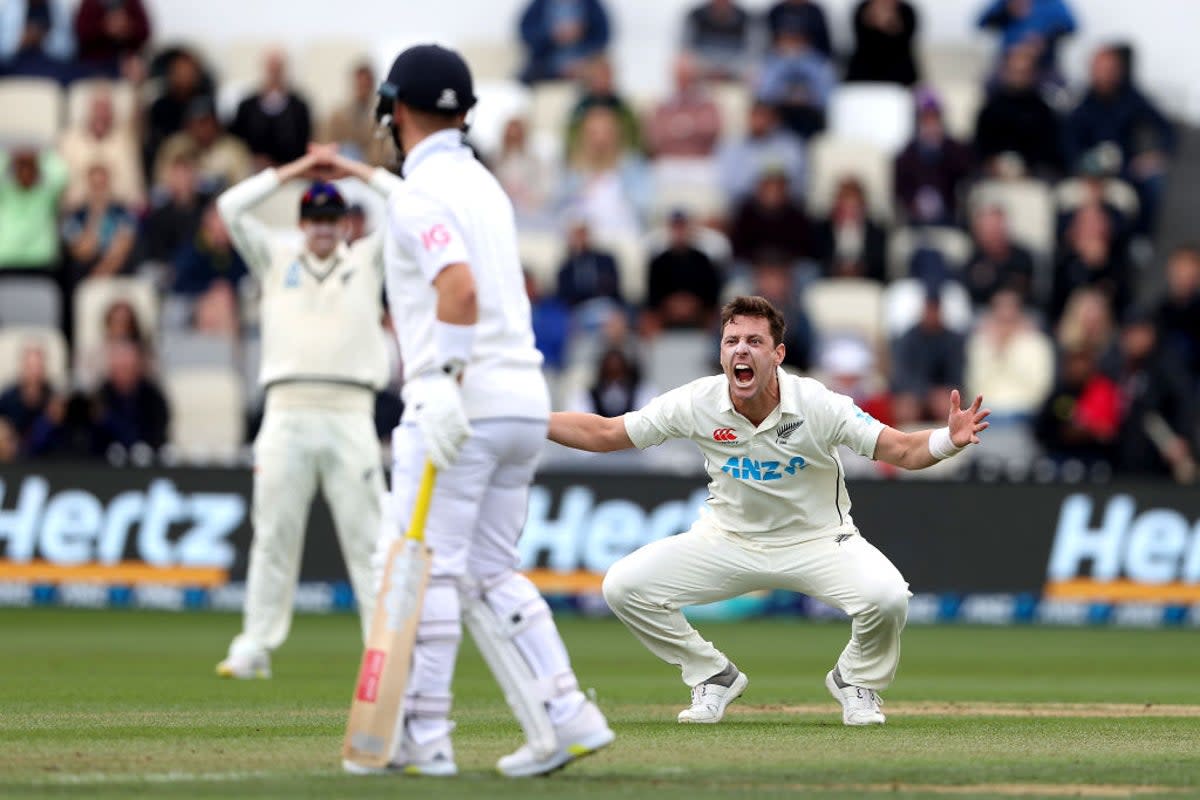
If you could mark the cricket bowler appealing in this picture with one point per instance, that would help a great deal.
(323, 358)
(477, 406)
(777, 516)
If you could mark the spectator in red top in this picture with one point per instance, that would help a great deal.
(687, 124)
(1081, 417)
(109, 31)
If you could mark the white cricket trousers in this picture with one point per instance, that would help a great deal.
(648, 589)
(298, 449)
(476, 515)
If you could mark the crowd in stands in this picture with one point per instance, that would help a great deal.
(997, 249)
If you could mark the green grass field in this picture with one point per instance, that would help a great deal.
(117, 704)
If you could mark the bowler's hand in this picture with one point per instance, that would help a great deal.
(966, 424)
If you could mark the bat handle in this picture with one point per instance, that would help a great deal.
(416, 525)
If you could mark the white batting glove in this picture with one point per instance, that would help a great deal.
(441, 418)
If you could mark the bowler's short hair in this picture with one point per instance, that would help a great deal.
(755, 306)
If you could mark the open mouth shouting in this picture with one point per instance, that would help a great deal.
(743, 375)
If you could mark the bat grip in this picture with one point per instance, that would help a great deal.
(416, 525)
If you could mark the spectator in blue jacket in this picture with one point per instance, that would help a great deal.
(36, 39)
(1115, 113)
(1035, 23)
(561, 36)
(588, 272)
(797, 78)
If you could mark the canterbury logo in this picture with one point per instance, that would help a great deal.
(724, 435)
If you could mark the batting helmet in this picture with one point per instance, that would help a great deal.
(429, 78)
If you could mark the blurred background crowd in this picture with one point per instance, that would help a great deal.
(926, 218)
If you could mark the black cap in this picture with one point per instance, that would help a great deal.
(430, 78)
(322, 201)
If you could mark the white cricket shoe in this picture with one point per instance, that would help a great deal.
(859, 706)
(709, 700)
(433, 759)
(580, 736)
(245, 663)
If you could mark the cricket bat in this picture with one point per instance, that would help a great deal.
(379, 693)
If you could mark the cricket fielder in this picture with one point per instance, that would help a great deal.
(477, 406)
(323, 358)
(777, 516)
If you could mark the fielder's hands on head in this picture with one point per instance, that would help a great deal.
(441, 418)
(966, 423)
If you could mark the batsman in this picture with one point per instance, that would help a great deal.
(477, 407)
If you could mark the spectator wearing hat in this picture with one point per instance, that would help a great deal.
(767, 143)
(1115, 113)
(849, 243)
(1017, 121)
(221, 158)
(996, 262)
(561, 37)
(31, 182)
(274, 122)
(803, 16)
(719, 35)
(930, 170)
(884, 31)
(797, 79)
(1178, 312)
(684, 284)
(770, 219)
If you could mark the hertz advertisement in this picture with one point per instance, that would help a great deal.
(974, 544)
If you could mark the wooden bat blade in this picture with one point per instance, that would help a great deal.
(383, 676)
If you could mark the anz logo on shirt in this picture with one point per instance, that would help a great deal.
(747, 469)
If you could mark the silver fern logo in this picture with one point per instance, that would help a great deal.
(784, 431)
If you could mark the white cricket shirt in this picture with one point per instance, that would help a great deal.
(451, 210)
(782, 479)
(320, 318)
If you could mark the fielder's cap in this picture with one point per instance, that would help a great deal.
(430, 78)
(322, 201)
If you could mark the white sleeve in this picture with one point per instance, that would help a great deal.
(385, 182)
(668, 416)
(850, 425)
(251, 238)
(427, 230)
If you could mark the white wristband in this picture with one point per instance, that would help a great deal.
(452, 342)
(940, 445)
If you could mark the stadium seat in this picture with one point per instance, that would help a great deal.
(32, 300)
(93, 297)
(631, 261)
(492, 59)
(14, 340)
(40, 103)
(186, 348)
(551, 105)
(904, 300)
(702, 200)
(542, 253)
(1029, 206)
(832, 158)
(206, 405)
(878, 113)
(322, 71)
(79, 98)
(969, 61)
(953, 244)
(1069, 194)
(733, 100)
(846, 305)
(674, 358)
(961, 101)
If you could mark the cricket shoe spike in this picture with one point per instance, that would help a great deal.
(709, 700)
(434, 759)
(245, 663)
(583, 734)
(859, 706)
